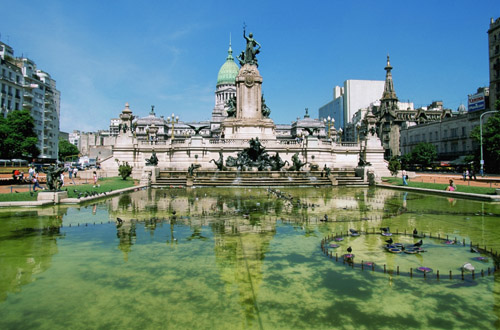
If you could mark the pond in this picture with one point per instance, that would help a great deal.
(235, 258)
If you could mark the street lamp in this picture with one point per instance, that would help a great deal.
(173, 120)
(481, 137)
(329, 121)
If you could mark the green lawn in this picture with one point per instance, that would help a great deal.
(440, 186)
(105, 185)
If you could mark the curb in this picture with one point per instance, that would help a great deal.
(70, 200)
(480, 197)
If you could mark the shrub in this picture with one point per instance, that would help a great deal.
(125, 170)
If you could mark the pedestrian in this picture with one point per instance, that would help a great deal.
(31, 173)
(451, 186)
(75, 172)
(474, 174)
(16, 174)
(464, 175)
(62, 179)
(95, 178)
(405, 178)
(36, 183)
(70, 173)
(471, 172)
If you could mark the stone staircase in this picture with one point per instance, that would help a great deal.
(344, 177)
(171, 178)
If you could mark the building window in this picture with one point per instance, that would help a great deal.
(463, 131)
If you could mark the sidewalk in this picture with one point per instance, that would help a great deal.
(487, 181)
(7, 189)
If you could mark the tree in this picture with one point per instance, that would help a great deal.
(67, 149)
(394, 165)
(125, 170)
(491, 142)
(17, 136)
(424, 154)
(406, 161)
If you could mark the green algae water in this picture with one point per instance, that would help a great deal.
(245, 259)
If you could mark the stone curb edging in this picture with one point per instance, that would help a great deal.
(69, 200)
(26, 203)
(480, 197)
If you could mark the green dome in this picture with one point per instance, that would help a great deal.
(228, 71)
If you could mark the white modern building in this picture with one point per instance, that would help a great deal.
(26, 87)
(347, 100)
(11, 81)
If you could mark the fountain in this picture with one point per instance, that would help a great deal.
(228, 253)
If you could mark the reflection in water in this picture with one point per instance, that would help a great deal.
(27, 244)
(216, 258)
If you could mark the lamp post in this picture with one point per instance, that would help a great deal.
(481, 137)
(173, 120)
(329, 121)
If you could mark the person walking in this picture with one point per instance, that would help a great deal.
(31, 173)
(35, 182)
(95, 178)
(405, 178)
(464, 174)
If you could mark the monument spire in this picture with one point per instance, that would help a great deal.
(389, 92)
(230, 51)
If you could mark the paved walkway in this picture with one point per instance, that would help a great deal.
(7, 189)
(487, 181)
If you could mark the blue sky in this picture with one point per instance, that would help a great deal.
(168, 53)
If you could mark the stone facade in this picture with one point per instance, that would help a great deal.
(494, 60)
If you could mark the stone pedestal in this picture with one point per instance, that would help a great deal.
(54, 196)
(235, 128)
(196, 141)
(312, 141)
(149, 175)
(249, 121)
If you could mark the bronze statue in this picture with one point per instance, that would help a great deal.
(53, 172)
(197, 129)
(327, 171)
(153, 160)
(231, 107)
(193, 167)
(253, 156)
(265, 109)
(219, 163)
(250, 51)
(297, 163)
(277, 163)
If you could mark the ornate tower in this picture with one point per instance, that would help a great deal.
(388, 124)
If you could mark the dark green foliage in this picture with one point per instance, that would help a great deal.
(67, 149)
(424, 154)
(17, 136)
(125, 170)
(406, 161)
(491, 142)
(394, 165)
